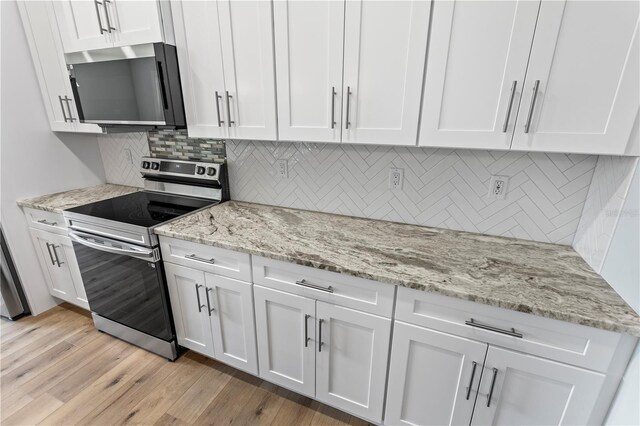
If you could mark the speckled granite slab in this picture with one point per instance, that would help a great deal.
(76, 197)
(542, 279)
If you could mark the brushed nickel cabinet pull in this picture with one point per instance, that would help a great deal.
(218, 98)
(229, 109)
(320, 343)
(46, 222)
(55, 253)
(527, 125)
(102, 30)
(346, 125)
(306, 330)
(512, 332)
(493, 384)
(68, 100)
(333, 107)
(209, 303)
(304, 283)
(64, 113)
(473, 373)
(200, 305)
(53, 262)
(505, 126)
(106, 14)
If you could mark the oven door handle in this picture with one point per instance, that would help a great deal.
(137, 252)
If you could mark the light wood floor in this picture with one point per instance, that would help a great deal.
(57, 369)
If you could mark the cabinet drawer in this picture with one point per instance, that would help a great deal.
(357, 293)
(206, 258)
(46, 221)
(569, 343)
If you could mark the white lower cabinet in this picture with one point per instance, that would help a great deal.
(60, 267)
(213, 315)
(331, 353)
(351, 363)
(433, 377)
(520, 389)
(286, 339)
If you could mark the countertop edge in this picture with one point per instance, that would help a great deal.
(536, 311)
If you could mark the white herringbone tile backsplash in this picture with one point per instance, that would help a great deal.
(442, 187)
(602, 209)
(118, 167)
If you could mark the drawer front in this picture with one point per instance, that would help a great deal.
(46, 221)
(558, 340)
(206, 258)
(351, 292)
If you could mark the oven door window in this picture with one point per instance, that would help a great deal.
(125, 289)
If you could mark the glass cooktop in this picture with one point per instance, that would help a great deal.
(143, 208)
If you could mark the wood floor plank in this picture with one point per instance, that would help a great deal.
(205, 389)
(64, 372)
(35, 411)
(84, 403)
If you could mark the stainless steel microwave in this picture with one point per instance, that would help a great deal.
(132, 87)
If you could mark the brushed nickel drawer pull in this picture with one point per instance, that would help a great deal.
(304, 283)
(46, 222)
(493, 384)
(53, 261)
(208, 302)
(511, 332)
(200, 305)
(532, 106)
(505, 126)
(200, 259)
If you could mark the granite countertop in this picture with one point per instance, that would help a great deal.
(542, 279)
(76, 197)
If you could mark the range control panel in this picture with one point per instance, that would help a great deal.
(183, 168)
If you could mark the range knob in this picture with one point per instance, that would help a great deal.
(155, 166)
(145, 164)
(200, 170)
(211, 171)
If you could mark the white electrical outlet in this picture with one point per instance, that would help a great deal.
(128, 156)
(282, 169)
(395, 179)
(498, 187)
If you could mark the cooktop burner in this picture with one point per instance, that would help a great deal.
(143, 208)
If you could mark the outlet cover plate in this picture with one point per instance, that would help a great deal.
(498, 186)
(282, 168)
(396, 177)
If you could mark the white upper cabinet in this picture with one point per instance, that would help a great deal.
(520, 389)
(246, 31)
(225, 50)
(41, 30)
(385, 45)
(87, 25)
(308, 50)
(584, 70)
(478, 53)
(201, 73)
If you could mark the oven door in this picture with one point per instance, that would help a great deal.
(124, 283)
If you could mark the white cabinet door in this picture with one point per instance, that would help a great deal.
(478, 53)
(54, 265)
(286, 339)
(528, 390)
(308, 49)
(232, 324)
(135, 22)
(585, 66)
(66, 254)
(187, 293)
(385, 45)
(353, 349)
(433, 377)
(83, 24)
(201, 72)
(41, 29)
(247, 49)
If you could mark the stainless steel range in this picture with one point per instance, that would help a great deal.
(119, 256)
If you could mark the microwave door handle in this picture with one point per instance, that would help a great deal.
(163, 87)
(144, 254)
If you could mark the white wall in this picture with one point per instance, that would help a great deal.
(34, 160)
